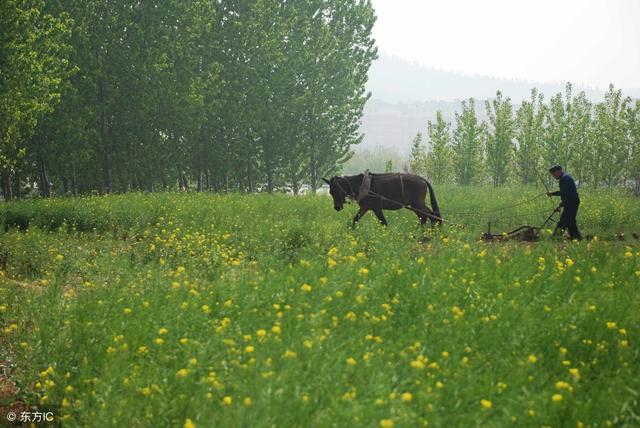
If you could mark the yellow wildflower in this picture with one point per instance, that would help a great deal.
(486, 404)
(386, 423)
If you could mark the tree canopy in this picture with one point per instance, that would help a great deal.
(221, 95)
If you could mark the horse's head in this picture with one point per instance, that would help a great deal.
(337, 191)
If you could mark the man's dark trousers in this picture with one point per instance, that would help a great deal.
(568, 218)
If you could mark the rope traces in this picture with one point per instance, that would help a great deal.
(400, 204)
(502, 208)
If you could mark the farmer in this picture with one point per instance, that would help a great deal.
(570, 202)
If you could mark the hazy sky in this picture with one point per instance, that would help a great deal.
(594, 42)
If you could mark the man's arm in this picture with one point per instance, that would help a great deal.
(563, 189)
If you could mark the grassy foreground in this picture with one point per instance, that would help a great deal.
(212, 310)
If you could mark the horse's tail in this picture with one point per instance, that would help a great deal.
(433, 200)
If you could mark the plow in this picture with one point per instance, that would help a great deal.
(522, 233)
(529, 233)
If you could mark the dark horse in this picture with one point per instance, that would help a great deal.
(390, 191)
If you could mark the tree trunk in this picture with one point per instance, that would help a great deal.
(200, 186)
(7, 192)
(107, 175)
(625, 170)
(249, 177)
(45, 188)
(135, 182)
(269, 178)
(183, 182)
(295, 187)
(106, 157)
(17, 183)
(226, 183)
(138, 168)
(74, 180)
(149, 177)
(314, 175)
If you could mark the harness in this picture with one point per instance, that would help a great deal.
(350, 193)
(365, 187)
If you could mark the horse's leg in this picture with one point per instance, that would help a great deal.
(432, 219)
(420, 213)
(421, 217)
(361, 212)
(420, 210)
(380, 215)
(428, 213)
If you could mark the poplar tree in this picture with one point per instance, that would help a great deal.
(632, 118)
(33, 66)
(611, 138)
(418, 156)
(558, 144)
(439, 160)
(579, 135)
(529, 129)
(499, 142)
(467, 145)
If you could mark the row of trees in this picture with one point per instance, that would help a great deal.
(124, 95)
(599, 143)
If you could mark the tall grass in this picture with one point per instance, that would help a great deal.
(179, 309)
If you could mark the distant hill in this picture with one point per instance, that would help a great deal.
(405, 96)
(397, 81)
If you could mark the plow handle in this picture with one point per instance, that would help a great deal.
(555, 210)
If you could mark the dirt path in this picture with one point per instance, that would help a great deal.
(10, 401)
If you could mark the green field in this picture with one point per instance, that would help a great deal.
(234, 310)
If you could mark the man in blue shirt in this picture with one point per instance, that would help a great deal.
(570, 201)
